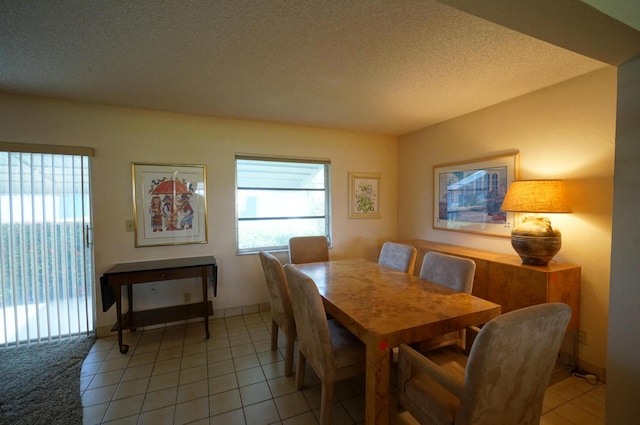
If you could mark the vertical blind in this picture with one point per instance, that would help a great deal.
(46, 263)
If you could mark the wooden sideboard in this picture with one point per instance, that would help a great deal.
(504, 280)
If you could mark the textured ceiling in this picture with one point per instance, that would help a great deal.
(387, 67)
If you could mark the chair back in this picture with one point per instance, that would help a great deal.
(448, 270)
(314, 339)
(308, 249)
(398, 257)
(510, 365)
(278, 289)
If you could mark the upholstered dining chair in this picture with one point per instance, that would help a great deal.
(308, 249)
(333, 352)
(448, 270)
(281, 312)
(453, 272)
(398, 256)
(503, 380)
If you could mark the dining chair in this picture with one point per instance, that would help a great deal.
(453, 272)
(333, 352)
(398, 257)
(308, 249)
(503, 380)
(448, 270)
(281, 312)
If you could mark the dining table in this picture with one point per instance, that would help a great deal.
(385, 308)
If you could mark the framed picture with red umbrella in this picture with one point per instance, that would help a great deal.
(169, 204)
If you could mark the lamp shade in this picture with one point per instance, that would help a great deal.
(536, 196)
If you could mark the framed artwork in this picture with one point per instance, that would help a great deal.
(364, 195)
(467, 196)
(169, 204)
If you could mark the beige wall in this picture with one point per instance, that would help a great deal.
(566, 131)
(121, 136)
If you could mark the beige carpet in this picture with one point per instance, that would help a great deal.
(40, 383)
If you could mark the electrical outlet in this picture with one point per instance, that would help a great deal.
(187, 297)
(582, 337)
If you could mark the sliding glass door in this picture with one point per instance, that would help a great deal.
(46, 258)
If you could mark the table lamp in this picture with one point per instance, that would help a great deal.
(534, 239)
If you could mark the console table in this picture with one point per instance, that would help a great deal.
(129, 274)
(504, 280)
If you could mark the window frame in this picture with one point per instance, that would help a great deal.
(282, 159)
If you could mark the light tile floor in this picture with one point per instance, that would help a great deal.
(173, 375)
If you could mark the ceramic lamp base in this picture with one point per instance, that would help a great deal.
(536, 250)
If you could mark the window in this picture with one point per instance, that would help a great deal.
(279, 198)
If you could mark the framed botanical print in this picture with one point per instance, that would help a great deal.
(364, 195)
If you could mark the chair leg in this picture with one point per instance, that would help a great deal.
(274, 335)
(326, 400)
(393, 400)
(302, 364)
(288, 357)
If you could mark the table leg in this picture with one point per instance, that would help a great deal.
(205, 304)
(132, 326)
(377, 383)
(118, 292)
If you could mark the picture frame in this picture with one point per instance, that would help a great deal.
(467, 195)
(169, 204)
(364, 195)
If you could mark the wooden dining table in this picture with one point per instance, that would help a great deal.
(385, 308)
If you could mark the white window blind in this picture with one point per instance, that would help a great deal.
(45, 261)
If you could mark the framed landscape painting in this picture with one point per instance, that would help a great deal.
(169, 204)
(467, 196)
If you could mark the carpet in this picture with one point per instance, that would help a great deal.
(40, 383)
